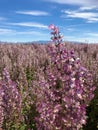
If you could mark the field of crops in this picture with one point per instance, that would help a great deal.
(40, 86)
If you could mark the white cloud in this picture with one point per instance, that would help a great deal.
(34, 33)
(70, 29)
(92, 20)
(2, 18)
(76, 2)
(92, 34)
(89, 16)
(83, 8)
(5, 31)
(18, 36)
(34, 13)
(26, 32)
(30, 34)
(68, 2)
(87, 39)
(30, 24)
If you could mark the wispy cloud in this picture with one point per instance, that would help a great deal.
(92, 34)
(76, 2)
(34, 13)
(5, 31)
(71, 29)
(2, 18)
(89, 16)
(87, 39)
(31, 24)
(30, 32)
(84, 8)
(12, 35)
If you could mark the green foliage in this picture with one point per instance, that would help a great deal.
(29, 113)
(29, 74)
(92, 113)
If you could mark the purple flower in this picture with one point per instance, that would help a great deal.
(66, 90)
(10, 99)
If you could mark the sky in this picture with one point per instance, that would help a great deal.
(28, 20)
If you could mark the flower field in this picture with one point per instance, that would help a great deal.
(51, 86)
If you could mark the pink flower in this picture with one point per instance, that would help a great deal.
(51, 27)
(68, 89)
(54, 28)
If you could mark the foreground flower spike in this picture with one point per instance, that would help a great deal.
(10, 100)
(65, 89)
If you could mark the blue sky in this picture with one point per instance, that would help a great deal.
(28, 20)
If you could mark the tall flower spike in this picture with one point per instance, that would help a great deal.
(67, 88)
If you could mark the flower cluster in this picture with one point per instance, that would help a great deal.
(10, 100)
(66, 89)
